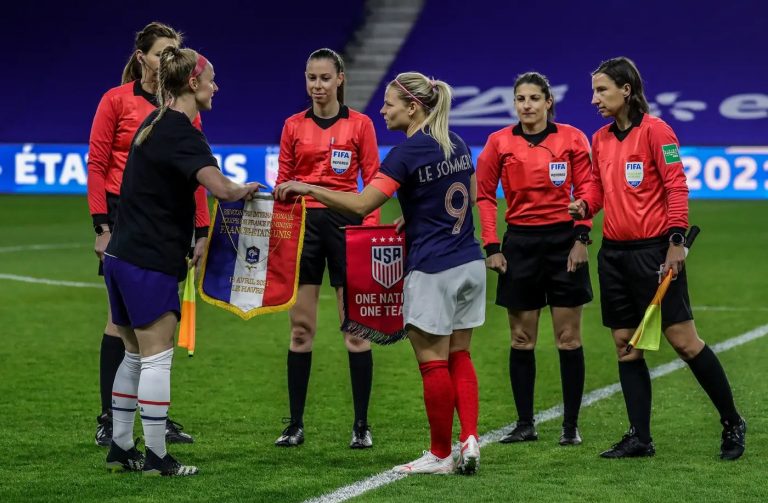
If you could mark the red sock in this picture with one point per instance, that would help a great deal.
(438, 398)
(464, 382)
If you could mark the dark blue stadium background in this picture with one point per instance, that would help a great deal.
(60, 57)
(64, 55)
(705, 51)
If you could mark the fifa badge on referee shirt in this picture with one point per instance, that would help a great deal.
(558, 171)
(340, 160)
(633, 172)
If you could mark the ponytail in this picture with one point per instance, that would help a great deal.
(176, 66)
(144, 133)
(437, 120)
(132, 70)
(434, 96)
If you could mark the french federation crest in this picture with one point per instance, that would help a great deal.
(387, 265)
(558, 172)
(340, 160)
(252, 255)
(633, 173)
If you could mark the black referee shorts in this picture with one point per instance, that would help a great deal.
(324, 241)
(628, 272)
(537, 261)
(112, 201)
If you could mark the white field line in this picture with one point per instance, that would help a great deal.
(730, 308)
(384, 478)
(76, 284)
(52, 282)
(58, 246)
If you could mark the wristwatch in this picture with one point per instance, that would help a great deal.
(99, 229)
(584, 238)
(677, 239)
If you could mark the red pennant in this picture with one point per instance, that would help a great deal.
(373, 293)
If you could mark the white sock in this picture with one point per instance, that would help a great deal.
(124, 394)
(154, 399)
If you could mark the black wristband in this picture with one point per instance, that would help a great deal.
(581, 234)
(100, 219)
(492, 249)
(676, 230)
(201, 232)
(580, 229)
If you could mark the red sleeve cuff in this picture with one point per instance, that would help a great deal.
(385, 184)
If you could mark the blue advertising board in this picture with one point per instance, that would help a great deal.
(712, 172)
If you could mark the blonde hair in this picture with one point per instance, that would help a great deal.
(434, 96)
(145, 39)
(176, 66)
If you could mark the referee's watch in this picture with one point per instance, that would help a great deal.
(584, 238)
(677, 239)
(100, 229)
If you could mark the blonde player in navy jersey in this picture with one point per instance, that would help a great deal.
(444, 291)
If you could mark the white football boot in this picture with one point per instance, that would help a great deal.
(469, 456)
(428, 463)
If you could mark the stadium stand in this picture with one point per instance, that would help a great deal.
(63, 56)
(703, 66)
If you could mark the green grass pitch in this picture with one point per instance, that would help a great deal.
(232, 395)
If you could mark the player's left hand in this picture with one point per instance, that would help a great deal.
(198, 252)
(675, 261)
(283, 190)
(578, 256)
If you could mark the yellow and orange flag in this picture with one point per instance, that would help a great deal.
(187, 324)
(648, 334)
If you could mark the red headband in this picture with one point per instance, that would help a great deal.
(199, 66)
(412, 96)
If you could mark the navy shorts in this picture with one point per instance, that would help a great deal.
(138, 296)
(537, 261)
(629, 278)
(112, 201)
(324, 241)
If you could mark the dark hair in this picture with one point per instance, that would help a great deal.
(176, 66)
(145, 39)
(338, 63)
(623, 71)
(540, 80)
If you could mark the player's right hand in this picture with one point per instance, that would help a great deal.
(577, 209)
(101, 245)
(399, 224)
(497, 262)
(250, 189)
